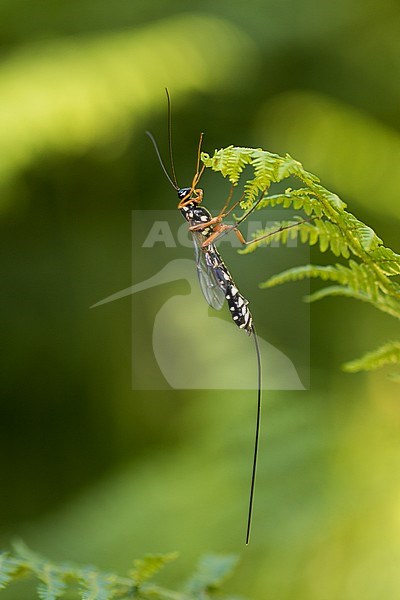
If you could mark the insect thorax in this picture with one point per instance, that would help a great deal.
(197, 215)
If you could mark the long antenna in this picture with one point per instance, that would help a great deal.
(171, 158)
(256, 439)
(151, 136)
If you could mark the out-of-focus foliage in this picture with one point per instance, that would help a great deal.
(73, 94)
(88, 583)
(318, 130)
(98, 472)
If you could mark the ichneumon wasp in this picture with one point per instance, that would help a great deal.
(215, 280)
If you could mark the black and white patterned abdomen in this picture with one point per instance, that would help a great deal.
(239, 307)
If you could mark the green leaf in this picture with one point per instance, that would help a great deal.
(364, 234)
(300, 199)
(148, 566)
(228, 162)
(52, 586)
(211, 573)
(387, 260)
(289, 166)
(8, 567)
(279, 231)
(336, 290)
(358, 278)
(388, 354)
(333, 199)
(299, 273)
(328, 235)
(96, 586)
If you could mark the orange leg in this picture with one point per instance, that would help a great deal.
(216, 219)
(218, 230)
(222, 228)
(240, 236)
(222, 212)
(211, 222)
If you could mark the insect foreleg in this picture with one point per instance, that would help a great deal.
(189, 198)
(218, 231)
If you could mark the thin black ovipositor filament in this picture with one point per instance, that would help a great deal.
(256, 439)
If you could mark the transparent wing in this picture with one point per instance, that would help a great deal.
(213, 288)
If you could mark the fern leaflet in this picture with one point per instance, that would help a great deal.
(8, 568)
(58, 580)
(52, 585)
(97, 586)
(148, 566)
(385, 355)
(211, 573)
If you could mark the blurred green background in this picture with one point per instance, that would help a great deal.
(94, 471)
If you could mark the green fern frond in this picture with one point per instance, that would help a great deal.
(229, 162)
(382, 302)
(289, 166)
(57, 580)
(302, 272)
(51, 582)
(387, 260)
(358, 279)
(370, 269)
(266, 166)
(8, 567)
(364, 234)
(326, 234)
(52, 585)
(211, 572)
(97, 586)
(333, 200)
(146, 567)
(277, 232)
(336, 290)
(300, 199)
(388, 354)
